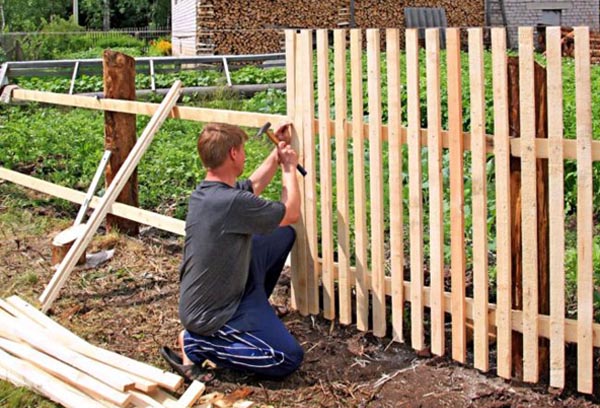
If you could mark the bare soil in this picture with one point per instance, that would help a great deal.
(129, 305)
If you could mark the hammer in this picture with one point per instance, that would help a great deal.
(266, 129)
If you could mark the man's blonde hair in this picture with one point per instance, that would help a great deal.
(215, 141)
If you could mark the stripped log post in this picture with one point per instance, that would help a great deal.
(541, 126)
(120, 132)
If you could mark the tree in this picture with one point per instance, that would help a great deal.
(27, 15)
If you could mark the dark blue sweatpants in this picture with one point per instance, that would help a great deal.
(254, 339)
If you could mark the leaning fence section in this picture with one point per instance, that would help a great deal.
(416, 227)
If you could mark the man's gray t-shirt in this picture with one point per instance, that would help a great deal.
(216, 257)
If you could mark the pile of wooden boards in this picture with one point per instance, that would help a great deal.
(38, 353)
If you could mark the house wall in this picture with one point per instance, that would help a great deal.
(183, 37)
(532, 13)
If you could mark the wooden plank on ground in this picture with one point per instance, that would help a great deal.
(325, 179)
(341, 160)
(479, 199)
(392, 36)
(360, 198)
(436, 186)
(457, 195)
(65, 372)
(528, 211)
(585, 217)
(24, 310)
(299, 253)
(45, 384)
(310, 181)
(503, 214)
(556, 207)
(66, 266)
(376, 182)
(191, 395)
(415, 205)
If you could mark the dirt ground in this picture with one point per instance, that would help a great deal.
(129, 305)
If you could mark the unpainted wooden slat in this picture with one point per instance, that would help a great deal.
(415, 189)
(503, 212)
(360, 200)
(457, 195)
(310, 180)
(376, 182)
(529, 211)
(436, 186)
(342, 196)
(556, 207)
(325, 179)
(585, 220)
(395, 179)
(479, 200)
(299, 253)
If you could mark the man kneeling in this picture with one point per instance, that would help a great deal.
(236, 245)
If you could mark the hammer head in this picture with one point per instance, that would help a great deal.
(263, 130)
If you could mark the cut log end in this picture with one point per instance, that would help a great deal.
(63, 241)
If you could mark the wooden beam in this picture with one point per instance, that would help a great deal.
(65, 268)
(191, 395)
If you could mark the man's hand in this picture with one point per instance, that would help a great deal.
(287, 156)
(284, 133)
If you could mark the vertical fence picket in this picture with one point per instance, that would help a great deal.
(310, 180)
(325, 175)
(376, 182)
(436, 204)
(457, 195)
(345, 277)
(585, 223)
(479, 200)
(529, 210)
(503, 218)
(294, 100)
(360, 201)
(415, 189)
(395, 179)
(556, 207)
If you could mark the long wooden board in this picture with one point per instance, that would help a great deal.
(20, 308)
(479, 199)
(341, 171)
(585, 217)
(376, 182)
(66, 266)
(325, 179)
(395, 179)
(415, 189)
(457, 195)
(503, 216)
(528, 211)
(556, 207)
(436, 186)
(360, 199)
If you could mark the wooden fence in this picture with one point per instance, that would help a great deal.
(352, 234)
(355, 248)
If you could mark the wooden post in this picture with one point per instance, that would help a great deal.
(120, 132)
(541, 110)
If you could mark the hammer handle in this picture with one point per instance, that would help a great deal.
(274, 139)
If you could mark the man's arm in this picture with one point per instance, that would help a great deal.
(262, 176)
(290, 192)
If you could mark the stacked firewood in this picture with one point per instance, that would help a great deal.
(568, 44)
(38, 353)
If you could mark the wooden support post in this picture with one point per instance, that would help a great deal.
(541, 114)
(120, 132)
